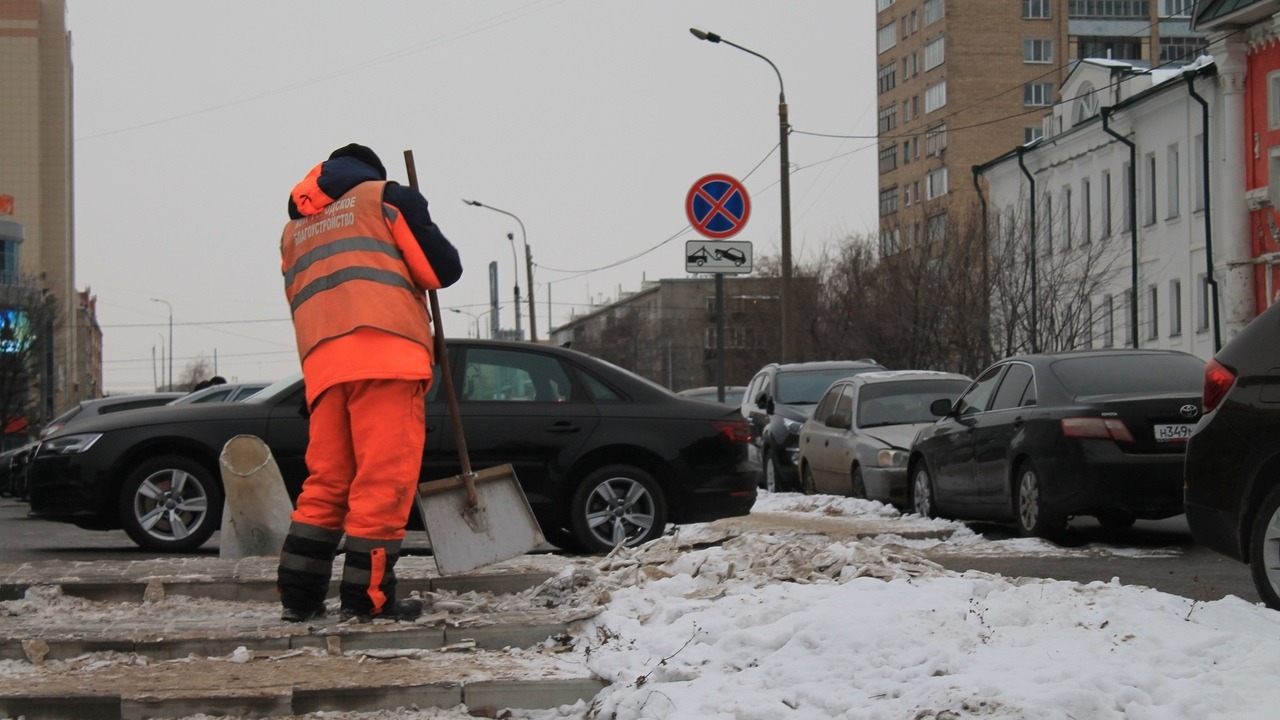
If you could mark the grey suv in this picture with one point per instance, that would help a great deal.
(777, 402)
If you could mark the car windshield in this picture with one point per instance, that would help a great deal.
(1131, 373)
(275, 389)
(806, 387)
(904, 402)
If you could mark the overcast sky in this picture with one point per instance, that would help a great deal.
(588, 120)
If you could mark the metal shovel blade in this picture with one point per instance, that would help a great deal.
(464, 536)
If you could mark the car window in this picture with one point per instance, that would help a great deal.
(904, 402)
(513, 376)
(827, 405)
(1014, 387)
(218, 396)
(765, 389)
(1137, 372)
(976, 399)
(133, 405)
(801, 387)
(844, 405)
(597, 389)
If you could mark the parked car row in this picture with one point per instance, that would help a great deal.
(604, 456)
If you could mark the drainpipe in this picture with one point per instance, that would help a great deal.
(1208, 224)
(1035, 341)
(986, 311)
(1133, 222)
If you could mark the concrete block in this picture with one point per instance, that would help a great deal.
(62, 707)
(245, 706)
(499, 584)
(530, 694)
(368, 699)
(495, 637)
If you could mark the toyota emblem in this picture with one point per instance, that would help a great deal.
(1189, 411)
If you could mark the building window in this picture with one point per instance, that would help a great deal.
(1037, 94)
(1153, 312)
(1273, 100)
(888, 201)
(1175, 308)
(1106, 203)
(1048, 224)
(882, 5)
(1114, 48)
(935, 228)
(935, 52)
(935, 184)
(906, 201)
(1202, 302)
(1126, 187)
(1036, 50)
(1035, 9)
(935, 97)
(1032, 133)
(1181, 49)
(887, 77)
(888, 159)
(1108, 9)
(1171, 180)
(1197, 167)
(1109, 321)
(889, 242)
(910, 65)
(935, 140)
(934, 10)
(888, 118)
(1086, 211)
(887, 36)
(1151, 189)
(1176, 8)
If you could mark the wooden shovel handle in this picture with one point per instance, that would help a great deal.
(442, 358)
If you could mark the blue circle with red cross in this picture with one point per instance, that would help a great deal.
(718, 206)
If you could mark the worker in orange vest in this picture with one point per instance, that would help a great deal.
(358, 255)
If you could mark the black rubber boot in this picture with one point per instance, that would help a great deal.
(368, 587)
(306, 565)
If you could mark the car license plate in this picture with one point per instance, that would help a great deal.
(1173, 433)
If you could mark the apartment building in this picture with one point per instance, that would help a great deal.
(37, 244)
(960, 81)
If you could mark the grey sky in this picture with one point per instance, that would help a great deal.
(588, 119)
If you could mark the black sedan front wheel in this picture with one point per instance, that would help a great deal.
(618, 504)
(170, 504)
(1264, 550)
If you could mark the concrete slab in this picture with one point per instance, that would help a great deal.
(530, 694)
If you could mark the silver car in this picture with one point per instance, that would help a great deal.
(859, 437)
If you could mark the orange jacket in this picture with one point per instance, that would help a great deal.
(355, 277)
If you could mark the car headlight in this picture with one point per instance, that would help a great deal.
(891, 458)
(68, 444)
(791, 425)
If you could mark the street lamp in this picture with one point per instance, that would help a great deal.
(528, 264)
(785, 183)
(515, 273)
(166, 302)
(471, 315)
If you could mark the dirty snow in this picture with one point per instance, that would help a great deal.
(701, 624)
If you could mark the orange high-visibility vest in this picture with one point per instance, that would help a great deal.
(343, 271)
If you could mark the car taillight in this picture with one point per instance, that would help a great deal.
(1218, 379)
(734, 430)
(1097, 429)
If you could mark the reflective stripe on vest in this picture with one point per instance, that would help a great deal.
(343, 272)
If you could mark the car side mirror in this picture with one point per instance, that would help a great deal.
(839, 421)
(940, 407)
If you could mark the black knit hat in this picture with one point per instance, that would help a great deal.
(363, 154)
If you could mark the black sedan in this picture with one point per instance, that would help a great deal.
(1233, 457)
(603, 455)
(1039, 438)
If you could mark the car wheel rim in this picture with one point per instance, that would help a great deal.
(1029, 500)
(920, 494)
(620, 510)
(171, 504)
(770, 475)
(1271, 551)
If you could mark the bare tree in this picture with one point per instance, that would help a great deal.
(198, 369)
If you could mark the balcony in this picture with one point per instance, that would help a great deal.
(1109, 9)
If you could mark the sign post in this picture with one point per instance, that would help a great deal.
(718, 207)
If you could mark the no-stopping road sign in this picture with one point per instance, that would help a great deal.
(717, 206)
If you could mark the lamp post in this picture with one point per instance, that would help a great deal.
(515, 273)
(784, 183)
(166, 302)
(472, 315)
(528, 264)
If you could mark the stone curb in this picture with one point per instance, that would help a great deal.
(523, 694)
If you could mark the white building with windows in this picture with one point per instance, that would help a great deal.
(1119, 186)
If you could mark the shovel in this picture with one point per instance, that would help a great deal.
(476, 518)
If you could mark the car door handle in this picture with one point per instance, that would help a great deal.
(563, 428)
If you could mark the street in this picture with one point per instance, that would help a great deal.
(1160, 555)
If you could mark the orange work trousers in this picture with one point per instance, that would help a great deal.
(364, 458)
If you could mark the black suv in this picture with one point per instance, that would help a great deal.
(1232, 471)
(777, 402)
